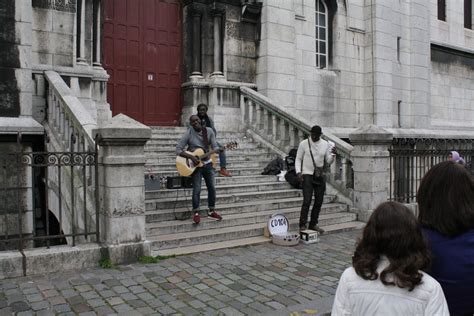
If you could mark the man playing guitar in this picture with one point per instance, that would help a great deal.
(194, 138)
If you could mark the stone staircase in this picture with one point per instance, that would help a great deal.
(245, 201)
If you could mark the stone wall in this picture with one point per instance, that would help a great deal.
(239, 40)
(335, 96)
(53, 32)
(452, 88)
(380, 69)
(15, 61)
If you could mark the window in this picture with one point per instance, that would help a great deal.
(468, 14)
(321, 28)
(398, 48)
(442, 10)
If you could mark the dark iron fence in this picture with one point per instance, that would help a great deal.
(48, 198)
(411, 158)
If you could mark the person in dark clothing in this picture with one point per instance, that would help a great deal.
(313, 153)
(207, 121)
(290, 175)
(194, 138)
(446, 212)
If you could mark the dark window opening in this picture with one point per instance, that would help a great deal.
(468, 14)
(442, 10)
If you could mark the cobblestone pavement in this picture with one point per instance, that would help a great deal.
(255, 280)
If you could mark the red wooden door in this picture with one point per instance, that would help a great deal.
(142, 54)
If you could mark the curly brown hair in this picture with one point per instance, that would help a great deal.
(393, 231)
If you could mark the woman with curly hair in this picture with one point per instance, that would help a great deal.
(386, 277)
(446, 212)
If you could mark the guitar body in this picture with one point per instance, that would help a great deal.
(185, 166)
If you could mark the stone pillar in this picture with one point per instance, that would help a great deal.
(96, 62)
(16, 87)
(196, 43)
(371, 165)
(122, 187)
(80, 32)
(217, 43)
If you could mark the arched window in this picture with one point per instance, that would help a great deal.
(321, 34)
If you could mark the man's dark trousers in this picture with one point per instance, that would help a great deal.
(310, 186)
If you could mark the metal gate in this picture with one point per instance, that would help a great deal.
(410, 159)
(48, 198)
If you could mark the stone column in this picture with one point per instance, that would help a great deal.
(196, 43)
(371, 165)
(217, 42)
(96, 62)
(80, 32)
(122, 187)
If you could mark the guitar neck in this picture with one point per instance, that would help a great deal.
(206, 155)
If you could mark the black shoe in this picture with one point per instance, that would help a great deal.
(316, 228)
(302, 227)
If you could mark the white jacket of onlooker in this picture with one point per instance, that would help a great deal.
(357, 296)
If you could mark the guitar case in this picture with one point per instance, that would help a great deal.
(278, 228)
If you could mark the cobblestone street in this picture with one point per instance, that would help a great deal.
(256, 280)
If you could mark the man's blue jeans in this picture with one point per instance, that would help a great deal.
(222, 158)
(206, 172)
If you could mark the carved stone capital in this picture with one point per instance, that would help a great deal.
(217, 9)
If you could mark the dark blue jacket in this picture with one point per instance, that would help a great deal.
(453, 268)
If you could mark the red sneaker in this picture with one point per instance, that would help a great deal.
(196, 218)
(215, 215)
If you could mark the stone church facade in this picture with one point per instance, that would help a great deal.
(403, 65)
(372, 73)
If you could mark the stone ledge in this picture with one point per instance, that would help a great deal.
(61, 258)
(24, 125)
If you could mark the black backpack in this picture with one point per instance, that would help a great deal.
(290, 159)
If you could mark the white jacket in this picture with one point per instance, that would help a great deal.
(321, 152)
(356, 296)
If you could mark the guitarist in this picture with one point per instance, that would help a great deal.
(200, 137)
(207, 121)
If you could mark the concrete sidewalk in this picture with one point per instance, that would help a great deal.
(256, 280)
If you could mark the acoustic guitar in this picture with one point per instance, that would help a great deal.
(186, 167)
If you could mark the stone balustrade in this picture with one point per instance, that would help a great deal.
(282, 130)
(67, 117)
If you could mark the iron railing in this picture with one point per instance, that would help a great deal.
(411, 158)
(48, 198)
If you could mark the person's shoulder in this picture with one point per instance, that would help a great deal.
(349, 274)
(428, 283)
(304, 142)
(210, 130)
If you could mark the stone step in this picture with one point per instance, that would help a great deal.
(178, 131)
(153, 184)
(245, 201)
(240, 219)
(229, 153)
(213, 246)
(171, 146)
(262, 158)
(170, 166)
(183, 198)
(158, 172)
(330, 229)
(223, 189)
(275, 205)
(199, 237)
